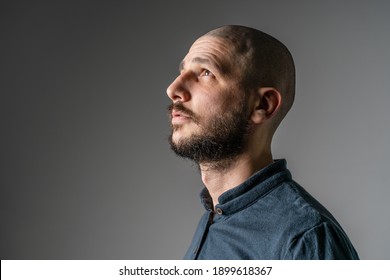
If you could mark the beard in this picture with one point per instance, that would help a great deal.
(221, 140)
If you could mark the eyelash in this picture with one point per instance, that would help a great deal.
(205, 73)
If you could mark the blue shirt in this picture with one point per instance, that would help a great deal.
(269, 216)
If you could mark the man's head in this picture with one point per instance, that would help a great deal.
(235, 86)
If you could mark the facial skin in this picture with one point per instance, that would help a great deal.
(209, 113)
(235, 86)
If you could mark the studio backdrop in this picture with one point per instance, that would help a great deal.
(86, 169)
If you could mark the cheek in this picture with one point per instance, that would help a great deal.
(215, 102)
(232, 101)
(211, 107)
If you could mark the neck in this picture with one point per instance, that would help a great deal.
(220, 177)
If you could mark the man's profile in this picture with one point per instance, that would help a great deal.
(235, 86)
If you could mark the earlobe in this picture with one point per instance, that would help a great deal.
(267, 104)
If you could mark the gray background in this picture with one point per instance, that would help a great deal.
(86, 172)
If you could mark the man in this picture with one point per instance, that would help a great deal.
(235, 86)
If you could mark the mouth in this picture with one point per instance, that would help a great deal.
(179, 118)
(178, 114)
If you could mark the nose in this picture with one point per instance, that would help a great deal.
(178, 90)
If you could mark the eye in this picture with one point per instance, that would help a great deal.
(206, 73)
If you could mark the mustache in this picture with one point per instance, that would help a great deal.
(181, 108)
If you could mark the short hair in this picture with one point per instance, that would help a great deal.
(266, 62)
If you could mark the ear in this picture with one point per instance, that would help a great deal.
(267, 103)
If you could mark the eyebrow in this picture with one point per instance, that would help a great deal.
(201, 60)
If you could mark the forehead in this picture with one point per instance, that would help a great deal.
(210, 44)
(211, 50)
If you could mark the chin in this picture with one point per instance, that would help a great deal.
(181, 133)
(178, 136)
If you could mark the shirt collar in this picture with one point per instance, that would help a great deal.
(249, 191)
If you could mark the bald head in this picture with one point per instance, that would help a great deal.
(265, 61)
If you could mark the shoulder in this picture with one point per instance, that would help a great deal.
(325, 241)
(316, 233)
(307, 229)
(295, 206)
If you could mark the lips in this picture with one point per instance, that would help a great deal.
(178, 114)
(178, 118)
